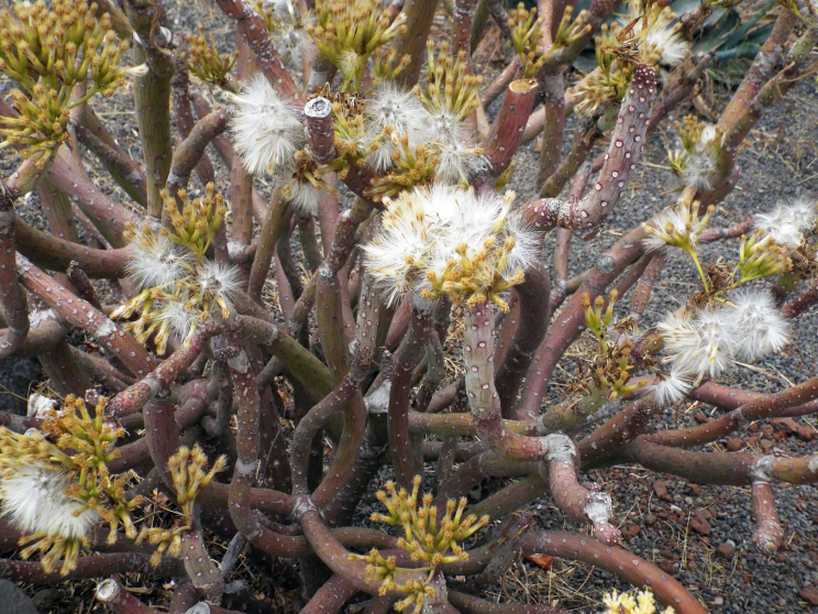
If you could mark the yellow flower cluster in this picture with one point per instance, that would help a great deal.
(348, 32)
(206, 63)
(450, 87)
(427, 537)
(71, 455)
(626, 603)
(194, 223)
(610, 364)
(48, 49)
(411, 166)
(181, 288)
(187, 472)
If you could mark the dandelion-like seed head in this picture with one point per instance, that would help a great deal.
(699, 346)
(444, 240)
(660, 37)
(400, 113)
(399, 253)
(33, 498)
(156, 262)
(458, 157)
(217, 283)
(764, 329)
(787, 224)
(266, 128)
(671, 388)
(177, 318)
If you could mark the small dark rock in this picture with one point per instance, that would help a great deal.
(15, 600)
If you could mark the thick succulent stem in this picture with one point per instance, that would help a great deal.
(419, 15)
(152, 98)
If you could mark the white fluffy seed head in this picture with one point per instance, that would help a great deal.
(423, 229)
(266, 128)
(391, 108)
(671, 388)
(473, 219)
(761, 326)
(156, 261)
(302, 195)
(673, 221)
(219, 281)
(180, 318)
(34, 501)
(701, 346)
(659, 32)
(665, 37)
(459, 158)
(786, 224)
(398, 254)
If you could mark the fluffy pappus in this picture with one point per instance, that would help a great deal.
(763, 328)
(660, 32)
(428, 233)
(156, 261)
(701, 346)
(397, 111)
(266, 128)
(671, 388)
(217, 283)
(33, 498)
(459, 158)
(180, 318)
(476, 219)
(786, 224)
(400, 250)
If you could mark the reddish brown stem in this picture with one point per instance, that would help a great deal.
(255, 33)
(617, 561)
(626, 145)
(769, 534)
(83, 315)
(533, 316)
(318, 115)
(126, 171)
(567, 324)
(113, 594)
(157, 381)
(13, 303)
(507, 133)
(190, 151)
(572, 497)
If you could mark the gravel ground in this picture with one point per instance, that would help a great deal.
(702, 535)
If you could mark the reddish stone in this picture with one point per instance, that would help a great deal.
(699, 523)
(734, 444)
(809, 594)
(660, 488)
